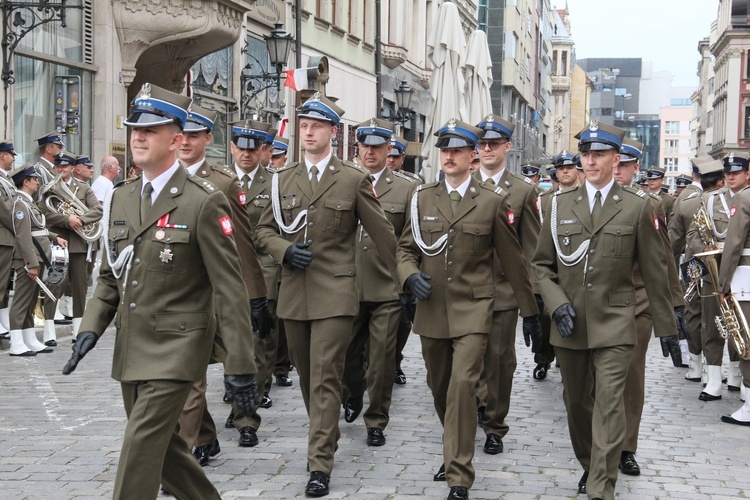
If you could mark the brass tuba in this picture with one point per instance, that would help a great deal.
(59, 198)
(732, 324)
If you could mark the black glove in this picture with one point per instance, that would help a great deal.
(532, 332)
(418, 286)
(670, 346)
(408, 306)
(85, 341)
(261, 317)
(563, 317)
(297, 257)
(244, 391)
(539, 303)
(682, 326)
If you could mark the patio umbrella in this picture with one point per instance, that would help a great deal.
(445, 48)
(478, 74)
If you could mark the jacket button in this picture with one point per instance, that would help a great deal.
(451, 231)
(134, 284)
(138, 239)
(132, 306)
(309, 242)
(137, 261)
(592, 251)
(450, 263)
(350, 273)
(338, 206)
(618, 231)
(169, 238)
(310, 224)
(450, 247)
(364, 249)
(589, 286)
(627, 302)
(450, 280)
(120, 232)
(591, 268)
(183, 327)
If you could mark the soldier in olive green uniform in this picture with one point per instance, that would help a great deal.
(373, 342)
(309, 225)
(458, 231)
(7, 238)
(592, 235)
(170, 270)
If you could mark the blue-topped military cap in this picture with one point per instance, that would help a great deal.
(22, 172)
(398, 146)
(84, 160)
(200, 119)
(374, 132)
(697, 162)
(7, 147)
(631, 150)
(600, 137)
(319, 107)
(280, 146)
(711, 169)
(270, 136)
(494, 127)
(655, 173)
(736, 161)
(642, 181)
(249, 134)
(51, 138)
(65, 158)
(682, 181)
(577, 159)
(553, 174)
(156, 106)
(564, 159)
(530, 169)
(457, 134)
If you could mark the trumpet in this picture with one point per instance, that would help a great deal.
(732, 325)
(59, 198)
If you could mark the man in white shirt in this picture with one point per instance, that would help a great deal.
(103, 185)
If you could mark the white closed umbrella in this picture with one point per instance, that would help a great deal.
(478, 75)
(445, 48)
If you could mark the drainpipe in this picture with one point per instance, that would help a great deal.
(378, 62)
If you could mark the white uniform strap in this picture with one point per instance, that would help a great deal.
(429, 250)
(717, 234)
(122, 261)
(573, 258)
(299, 222)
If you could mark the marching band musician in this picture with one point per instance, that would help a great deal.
(66, 224)
(49, 146)
(7, 239)
(32, 254)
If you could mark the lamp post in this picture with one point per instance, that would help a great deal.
(403, 102)
(278, 43)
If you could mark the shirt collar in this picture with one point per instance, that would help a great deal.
(27, 195)
(193, 169)
(376, 176)
(161, 180)
(321, 164)
(495, 178)
(591, 191)
(461, 189)
(240, 173)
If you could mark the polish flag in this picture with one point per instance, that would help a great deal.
(296, 79)
(282, 126)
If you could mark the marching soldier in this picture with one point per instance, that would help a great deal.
(593, 234)
(533, 172)
(371, 357)
(451, 244)
(196, 424)
(171, 269)
(554, 180)
(50, 145)
(680, 183)
(396, 159)
(500, 358)
(279, 153)
(655, 181)
(7, 236)
(32, 254)
(309, 225)
(66, 225)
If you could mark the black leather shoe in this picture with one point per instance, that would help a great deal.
(582, 483)
(704, 396)
(5, 335)
(375, 437)
(729, 419)
(25, 353)
(352, 409)
(458, 493)
(248, 437)
(540, 372)
(226, 398)
(51, 343)
(628, 465)
(63, 321)
(230, 420)
(440, 476)
(283, 381)
(493, 444)
(317, 486)
(482, 418)
(205, 452)
(266, 402)
(400, 377)
(732, 388)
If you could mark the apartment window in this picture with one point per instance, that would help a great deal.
(564, 63)
(554, 62)
(672, 128)
(511, 44)
(747, 122)
(670, 164)
(482, 15)
(671, 146)
(710, 119)
(711, 85)
(510, 2)
(528, 22)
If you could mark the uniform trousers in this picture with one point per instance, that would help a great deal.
(402, 337)
(499, 366)
(693, 319)
(26, 291)
(545, 353)
(197, 427)
(711, 342)
(282, 353)
(77, 269)
(453, 367)
(635, 383)
(153, 452)
(593, 386)
(6, 268)
(318, 350)
(371, 359)
(265, 352)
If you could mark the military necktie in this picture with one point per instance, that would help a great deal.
(597, 210)
(490, 181)
(245, 182)
(314, 177)
(146, 200)
(455, 201)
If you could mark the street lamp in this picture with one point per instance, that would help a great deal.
(403, 102)
(278, 43)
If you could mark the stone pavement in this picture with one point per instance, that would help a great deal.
(60, 438)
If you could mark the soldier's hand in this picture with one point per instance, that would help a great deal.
(418, 285)
(532, 332)
(670, 346)
(33, 273)
(244, 391)
(85, 341)
(74, 222)
(682, 326)
(408, 306)
(297, 257)
(261, 317)
(563, 317)
(62, 242)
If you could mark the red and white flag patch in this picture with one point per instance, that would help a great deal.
(372, 187)
(733, 211)
(656, 223)
(242, 198)
(226, 225)
(511, 217)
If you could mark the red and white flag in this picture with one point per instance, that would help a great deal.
(282, 127)
(296, 79)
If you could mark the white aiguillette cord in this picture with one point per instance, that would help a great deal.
(429, 250)
(126, 256)
(575, 257)
(299, 221)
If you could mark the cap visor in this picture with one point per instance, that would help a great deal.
(147, 120)
(453, 142)
(247, 142)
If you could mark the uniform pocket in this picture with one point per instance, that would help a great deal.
(339, 215)
(618, 240)
(477, 237)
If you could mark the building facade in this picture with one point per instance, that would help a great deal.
(675, 137)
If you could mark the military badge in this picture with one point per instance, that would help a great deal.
(733, 211)
(566, 241)
(656, 223)
(511, 217)
(594, 126)
(159, 235)
(226, 225)
(19, 215)
(242, 198)
(166, 255)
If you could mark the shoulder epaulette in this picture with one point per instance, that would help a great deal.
(125, 182)
(428, 185)
(693, 195)
(206, 185)
(352, 165)
(224, 170)
(491, 187)
(288, 166)
(400, 175)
